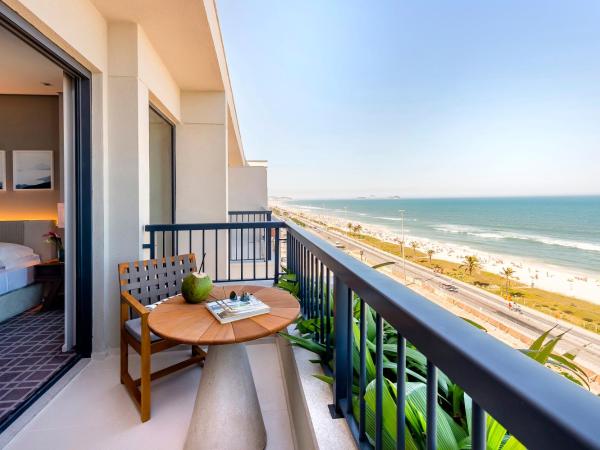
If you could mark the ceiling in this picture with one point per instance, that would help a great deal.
(179, 32)
(24, 70)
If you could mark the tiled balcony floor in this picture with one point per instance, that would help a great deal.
(95, 412)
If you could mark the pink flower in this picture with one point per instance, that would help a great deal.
(53, 238)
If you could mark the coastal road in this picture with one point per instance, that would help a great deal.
(529, 322)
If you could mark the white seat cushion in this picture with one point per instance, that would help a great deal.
(134, 328)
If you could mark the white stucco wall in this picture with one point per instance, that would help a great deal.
(201, 163)
(248, 188)
(201, 158)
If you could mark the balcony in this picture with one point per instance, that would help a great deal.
(402, 369)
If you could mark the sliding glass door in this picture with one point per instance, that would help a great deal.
(162, 200)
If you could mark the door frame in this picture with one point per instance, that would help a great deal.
(81, 76)
(159, 113)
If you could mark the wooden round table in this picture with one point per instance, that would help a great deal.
(227, 413)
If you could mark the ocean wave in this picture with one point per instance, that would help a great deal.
(308, 207)
(490, 234)
(395, 219)
(455, 229)
(589, 246)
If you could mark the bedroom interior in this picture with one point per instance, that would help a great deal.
(36, 288)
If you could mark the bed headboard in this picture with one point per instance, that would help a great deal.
(29, 233)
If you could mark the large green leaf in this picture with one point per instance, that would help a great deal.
(448, 433)
(513, 444)
(330, 380)
(306, 343)
(499, 439)
(389, 417)
(475, 324)
(496, 434)
(546, 350)
(371, 325)
(537, 344)
(383, 264)
(578, 375)
(369, 363)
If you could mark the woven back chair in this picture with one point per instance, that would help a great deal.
(153, 280)
(143, 283)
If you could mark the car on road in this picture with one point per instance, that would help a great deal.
(450, 287)
(338, 244)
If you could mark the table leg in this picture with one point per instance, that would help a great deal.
(226, 413)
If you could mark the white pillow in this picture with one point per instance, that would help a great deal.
(9, 253)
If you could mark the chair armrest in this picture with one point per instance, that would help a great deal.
(134, 303)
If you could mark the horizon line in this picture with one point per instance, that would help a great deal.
(398, 197)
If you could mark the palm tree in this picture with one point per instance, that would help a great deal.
(430, 253)
(507, 272)
(357, 228)
(415, 246)
(471, 263)
(350, 226)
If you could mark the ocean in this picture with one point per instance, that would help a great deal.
(557, 231)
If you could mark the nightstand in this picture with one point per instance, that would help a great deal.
(52, 275)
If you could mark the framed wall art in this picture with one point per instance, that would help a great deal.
(33, 170)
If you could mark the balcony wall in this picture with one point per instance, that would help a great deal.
(248, 188)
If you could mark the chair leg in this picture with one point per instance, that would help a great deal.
(124, 358)
(145, 371)
(124, 345)
(199, 354)
(197, 351)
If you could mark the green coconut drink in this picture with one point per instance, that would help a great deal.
(196, 287)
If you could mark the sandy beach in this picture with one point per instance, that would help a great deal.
(585, 286)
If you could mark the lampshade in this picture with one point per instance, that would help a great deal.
(60, 222)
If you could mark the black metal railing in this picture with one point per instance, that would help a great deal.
(260, 215)
(211, 242)
(246, 243)
(540, 408)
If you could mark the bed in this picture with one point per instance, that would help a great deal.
(16, 266)
(21, 248)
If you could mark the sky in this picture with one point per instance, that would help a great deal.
(418, 98)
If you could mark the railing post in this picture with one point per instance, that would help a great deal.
(152, 245)
(276, 268)
(291, 257)
(342, 351)
(288, 250)
(268, 243)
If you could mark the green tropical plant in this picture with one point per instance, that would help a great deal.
(542, 351)
(415, 245)
(430, 253)
(507, 273)
(288, 281)
(454, 405)
(471, 263)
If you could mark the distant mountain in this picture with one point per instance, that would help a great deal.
(43, 185)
